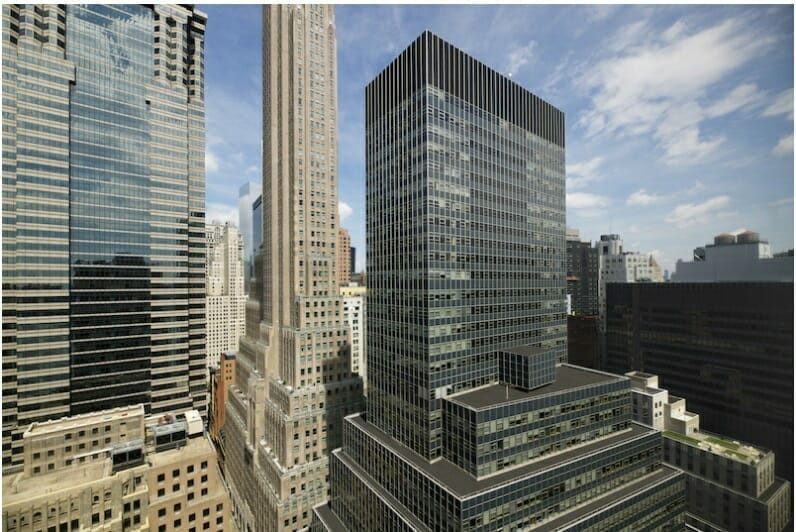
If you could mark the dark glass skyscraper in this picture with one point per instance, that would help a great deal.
(474, 421)
(726, 347)
(103, 196)
(465, 235)
(583, 272)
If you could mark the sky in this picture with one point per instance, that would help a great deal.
(679, 119)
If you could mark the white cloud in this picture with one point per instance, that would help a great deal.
(221, 212)
(782, 105)
(628, 35)
(345, 210)
(744, 95)
(584, 200)
(784, 147)
(211, 162)
(660, 86)
(690, 214)
(579, 174)
(781, 202)
(641, 197)
(520, 57)
(253, 169)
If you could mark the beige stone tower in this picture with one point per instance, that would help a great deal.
(293, 381)
(343, 262)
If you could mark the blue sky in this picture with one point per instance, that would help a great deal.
(679, 119)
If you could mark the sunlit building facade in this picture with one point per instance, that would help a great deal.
(475, 421)
(103, 212)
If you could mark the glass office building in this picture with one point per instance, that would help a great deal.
(103, 212)
(475, 421)
(727, 347)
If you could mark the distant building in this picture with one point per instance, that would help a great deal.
(247, 195)
(353, 262)
(360, 278)
(226, 300)
(729, 485)
(620, 266)
(257, 240)
(354, 316)
(727, 347)
(583, 275)
(344, 257)
(745, 257)
(582, 341)
(221, 377)
(116, 470)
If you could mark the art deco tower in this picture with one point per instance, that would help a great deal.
(293, 381)
(103, 212)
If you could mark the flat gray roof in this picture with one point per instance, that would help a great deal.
(329, 518)
(464, 485)
(594, 505)
(567, 377)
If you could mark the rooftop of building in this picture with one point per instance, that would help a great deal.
(193, 448)
(82, 420)
(603, 502)
(645, 383)
(464, 485)
(568, 377)
(19, 487)
(721, 445)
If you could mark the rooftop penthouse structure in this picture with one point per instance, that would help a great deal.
(116, 470)
(730, 485)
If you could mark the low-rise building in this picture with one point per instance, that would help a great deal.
(742, 257)
(220, 380)
(116, 470)
(730, 485)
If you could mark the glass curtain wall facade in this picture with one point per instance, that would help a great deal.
(726, 347)
(465, 233)
(104, 205)
(474, 420)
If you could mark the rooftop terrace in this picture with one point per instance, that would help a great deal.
(720, 445)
